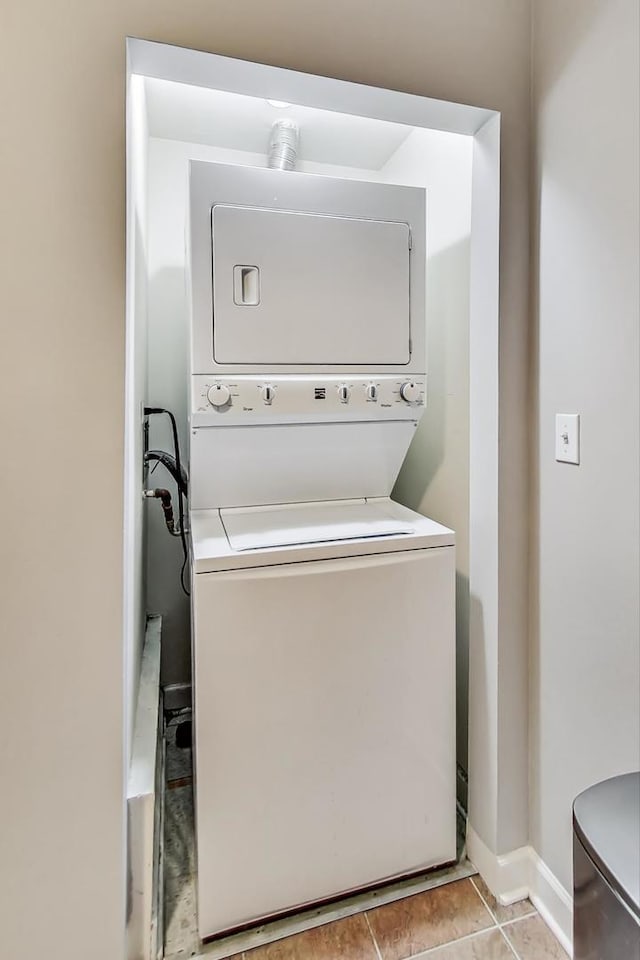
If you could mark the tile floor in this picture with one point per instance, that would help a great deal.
(458, 921)
(181, 938)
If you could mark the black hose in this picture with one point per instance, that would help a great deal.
(169, 463)
(167, 507)
(148, 411)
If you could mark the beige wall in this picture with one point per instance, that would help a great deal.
(62, 380)
(585, 672)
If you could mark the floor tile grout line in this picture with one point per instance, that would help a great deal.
(491, 913)
(501, 925)
(373, 936)
(505, 923)
(452, 943)
(448, 943)
(525, 916)
(509, 944)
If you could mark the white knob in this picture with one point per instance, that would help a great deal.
(218, 395)
(343, 393)
(410, 391)
(268, 393)
(372, 391)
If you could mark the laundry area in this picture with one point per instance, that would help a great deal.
(304, 302)
(307, 278)
(320, 374)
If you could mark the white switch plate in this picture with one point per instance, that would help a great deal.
(568, 437)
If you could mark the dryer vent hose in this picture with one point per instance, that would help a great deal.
(283, 145)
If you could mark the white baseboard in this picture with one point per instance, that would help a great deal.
(519, 874)
(552, 901)
(507, 876)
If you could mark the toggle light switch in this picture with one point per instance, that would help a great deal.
(568, 437)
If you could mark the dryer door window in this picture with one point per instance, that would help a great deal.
(302, 288)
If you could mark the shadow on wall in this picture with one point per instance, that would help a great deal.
(434, 479)
(135, 546)
(573, 29)
(463, 602)
(441, 443)
(167, 387)
(481, 733)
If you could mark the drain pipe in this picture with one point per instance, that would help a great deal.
(283, 145)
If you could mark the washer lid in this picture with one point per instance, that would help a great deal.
(606, 818)
(212, 551)
(260, 528)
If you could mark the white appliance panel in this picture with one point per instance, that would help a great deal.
(325, 729)
(369, 222)
(240, 466)
(312, 523)
(212, 552)
(303, 288)
(307, 399)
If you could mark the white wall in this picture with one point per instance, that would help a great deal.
(435, 477)
(61, 811)
(134, 601)
(585, 668)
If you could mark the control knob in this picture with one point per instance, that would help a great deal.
(372, 391)
(268, 393)
(218, 395)
(410, 391)
(343, 393)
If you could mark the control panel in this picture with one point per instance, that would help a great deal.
(254, 399)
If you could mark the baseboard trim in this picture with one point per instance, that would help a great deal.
(507, 875)
(552, 901)
(522, 873)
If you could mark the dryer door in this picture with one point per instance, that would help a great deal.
(303, 288)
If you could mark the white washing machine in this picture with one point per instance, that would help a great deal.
(324, 701)
(323, 612)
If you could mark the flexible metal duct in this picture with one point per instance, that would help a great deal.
(283, 145)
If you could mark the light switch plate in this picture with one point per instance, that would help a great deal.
(568, 437)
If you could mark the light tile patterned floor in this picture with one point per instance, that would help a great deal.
(459, 921)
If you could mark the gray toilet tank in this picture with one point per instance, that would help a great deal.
(606, 870)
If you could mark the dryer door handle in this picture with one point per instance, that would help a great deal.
(246, 285)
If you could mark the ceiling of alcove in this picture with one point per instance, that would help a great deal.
(178, 111)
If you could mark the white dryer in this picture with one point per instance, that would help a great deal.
(323, 612)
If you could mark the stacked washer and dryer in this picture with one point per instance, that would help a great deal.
(323, 611)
